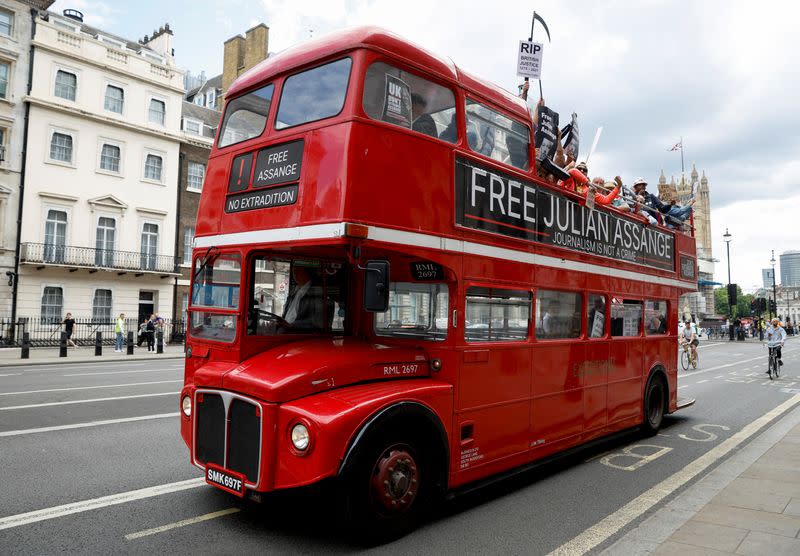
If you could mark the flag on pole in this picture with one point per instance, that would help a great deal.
(678, 146)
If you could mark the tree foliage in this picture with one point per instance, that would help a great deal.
(742, 308)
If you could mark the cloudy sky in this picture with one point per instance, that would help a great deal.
(721, 74)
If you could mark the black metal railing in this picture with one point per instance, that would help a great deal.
(89, 257)
(46, 331)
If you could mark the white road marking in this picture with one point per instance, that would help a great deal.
(122, 372)
(610, 525)
(182, 523)
(682, 386)
(702, 381)
(12, 374)
(88, 424)
(50, 404)
(719, 376)
(87, 387)
(102, 502)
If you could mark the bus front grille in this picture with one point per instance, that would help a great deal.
(231, 441)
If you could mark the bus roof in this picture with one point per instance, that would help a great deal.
(379, 39)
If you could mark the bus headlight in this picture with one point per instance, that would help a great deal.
(186, 405)
(300, 437)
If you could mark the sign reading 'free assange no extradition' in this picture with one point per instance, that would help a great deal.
(495, 202)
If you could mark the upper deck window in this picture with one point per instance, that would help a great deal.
(497, 136)
(314, 94)
(246, 116)
(401, 98)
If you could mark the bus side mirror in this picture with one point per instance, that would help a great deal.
(376, 286)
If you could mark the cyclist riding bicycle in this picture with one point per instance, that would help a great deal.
(689, 335)
(776, 336)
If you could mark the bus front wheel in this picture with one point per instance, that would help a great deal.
(654, 403)
(387, 488)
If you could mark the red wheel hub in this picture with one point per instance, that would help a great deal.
(395, 479)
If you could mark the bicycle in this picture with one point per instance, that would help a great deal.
(688, 357)
(773, 365)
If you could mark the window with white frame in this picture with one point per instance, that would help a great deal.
(6, 23)
(152, 167)
(101, 305)
(52, 304)
(55, 236)
(115, 99)
(66, 84)
(5, 73)
(61, 147)
(211, 98)
(149, 251)
(3, 139)
(157, 111)
(195, 176)
(109, 158)
(192, 126)
(198, 99)
(105, 241)
(188, 238)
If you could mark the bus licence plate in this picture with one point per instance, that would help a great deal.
(224, 479)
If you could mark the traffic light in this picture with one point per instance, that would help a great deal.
(772, 307)
(732, 295)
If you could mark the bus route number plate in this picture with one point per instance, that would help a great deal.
(224, 479)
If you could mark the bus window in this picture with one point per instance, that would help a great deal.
(495, 315)
(216, 286)
(314, 94)
(415, 310)
(626, 317)
(558, 314)
(245, 116)
(655, 317)
(296, 297)
(401, 98)
(596, 323)
(496, 136)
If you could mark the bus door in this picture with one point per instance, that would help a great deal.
(625, 372)
(494, 382)
(594, 367)
(557, 409)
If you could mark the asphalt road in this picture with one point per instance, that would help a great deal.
(91, 461)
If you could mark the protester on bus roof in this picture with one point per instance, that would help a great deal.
(579, 177)
(600, 187)
(652, 207)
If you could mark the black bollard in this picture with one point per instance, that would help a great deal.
(160, 341)
(98, 343)
(26, 345)
(62, 348)
(130, 343)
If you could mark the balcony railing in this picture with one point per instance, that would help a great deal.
(98, 259)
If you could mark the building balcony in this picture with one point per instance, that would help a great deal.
(109, 260)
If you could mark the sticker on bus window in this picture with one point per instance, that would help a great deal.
(397, 103)
(263, 198)
(279, 164)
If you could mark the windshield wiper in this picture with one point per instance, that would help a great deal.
(206, 260)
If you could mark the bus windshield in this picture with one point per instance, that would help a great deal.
(296, 296)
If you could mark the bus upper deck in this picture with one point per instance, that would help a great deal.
(363, 127)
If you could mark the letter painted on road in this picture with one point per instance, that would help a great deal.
(633, 452)
(710, 436)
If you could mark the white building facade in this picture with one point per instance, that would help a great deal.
(98, 218)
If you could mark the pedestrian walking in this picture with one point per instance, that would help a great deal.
(150, 331)
(69, 326)
(119, 329)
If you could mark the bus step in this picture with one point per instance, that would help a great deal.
(685, 402)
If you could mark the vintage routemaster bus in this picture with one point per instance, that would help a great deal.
(384, 293)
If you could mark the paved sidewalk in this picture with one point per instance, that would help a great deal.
(749, 505)
(49, 355)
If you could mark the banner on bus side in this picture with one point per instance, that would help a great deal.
(278, 164)
(495, 202)
(262, 198)
(529, 59)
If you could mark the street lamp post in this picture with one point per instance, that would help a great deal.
(774, 295)
(727, 238)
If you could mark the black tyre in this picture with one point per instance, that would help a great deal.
(388, 487)
(685, 360)
(655, 396)
(776, 367)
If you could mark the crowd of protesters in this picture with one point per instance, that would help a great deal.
(635, 200)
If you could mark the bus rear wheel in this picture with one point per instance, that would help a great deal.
(386, 489)
(654, 403)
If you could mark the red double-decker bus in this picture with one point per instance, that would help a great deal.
(385, 294)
